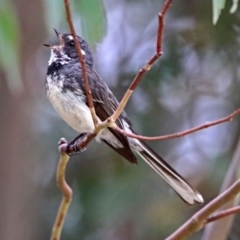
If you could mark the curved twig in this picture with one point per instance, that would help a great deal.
(67, 195)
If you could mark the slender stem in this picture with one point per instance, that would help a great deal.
(66, 199)
(220, 229)
(180, 134)
(222, 214)
(148, 65)
(82, 62)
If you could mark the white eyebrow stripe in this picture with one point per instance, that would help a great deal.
(70, 37)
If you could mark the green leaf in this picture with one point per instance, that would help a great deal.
(9, 45)
(234, 6)
(93, 19)
(218, 5)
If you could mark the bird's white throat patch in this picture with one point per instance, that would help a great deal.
(61, 58)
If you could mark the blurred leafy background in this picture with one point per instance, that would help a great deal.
(196, 80)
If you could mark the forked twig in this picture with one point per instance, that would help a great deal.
(222, 214)
(198, 220)
(220, 229)
(110, 122)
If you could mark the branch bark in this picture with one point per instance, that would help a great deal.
(198, 220)
(67, 194)
(220, 229)
(183, 133)
(223, 214)
(82, 62)
(147, 66)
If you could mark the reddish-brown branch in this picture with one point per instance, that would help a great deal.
(82, 62)
(197, 221)
(179, 134)
(147, 66)
(220, 229)
(222, 214)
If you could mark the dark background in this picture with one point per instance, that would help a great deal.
(196, 80)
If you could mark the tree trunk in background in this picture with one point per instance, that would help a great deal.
(18, 201)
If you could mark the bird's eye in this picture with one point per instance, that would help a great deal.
(71, 43)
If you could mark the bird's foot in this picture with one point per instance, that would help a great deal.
(72, 147)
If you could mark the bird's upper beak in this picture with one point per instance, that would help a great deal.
(61, 43)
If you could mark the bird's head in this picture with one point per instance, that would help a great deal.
(65, 51)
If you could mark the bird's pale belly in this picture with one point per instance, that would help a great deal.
(70, 107)
(75, 112)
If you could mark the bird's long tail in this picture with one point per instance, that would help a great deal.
(177, 182)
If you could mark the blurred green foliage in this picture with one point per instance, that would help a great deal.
(93, 19)
(9, 45)
(218, 6)
(90, 14)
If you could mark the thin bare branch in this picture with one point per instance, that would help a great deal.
(180, 134)
(67, 195)
(82, 62)
(222, 214)
(197, 221)
(147, 66)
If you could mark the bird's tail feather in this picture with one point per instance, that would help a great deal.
(177, 182)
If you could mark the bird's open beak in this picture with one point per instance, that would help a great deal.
(61, 43)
